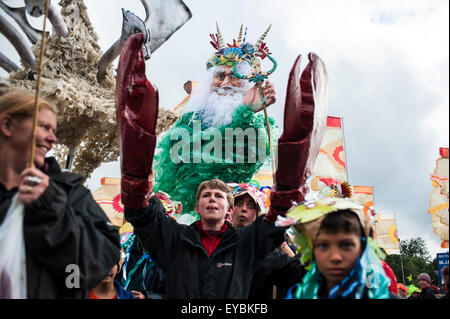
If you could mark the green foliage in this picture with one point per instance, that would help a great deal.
(416, 259)
(415, 248)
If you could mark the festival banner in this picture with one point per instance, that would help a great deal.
(439, 203)
(364, 196)
(264, 177)
(108, 198)
(386, 233)
(385, 229)
(330, 167)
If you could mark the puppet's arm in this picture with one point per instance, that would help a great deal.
(137, 113)
(305, 115)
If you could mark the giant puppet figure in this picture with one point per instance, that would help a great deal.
(219, 135)
(297, 148)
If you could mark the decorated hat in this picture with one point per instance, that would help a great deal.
(253, 191)
(400, 286)
(340, 190)
(240, 50)
(307, 218)
(424, 276)
(309, 215)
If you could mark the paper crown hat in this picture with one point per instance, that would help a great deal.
(254, 192)
(239, 50)
(307, 219)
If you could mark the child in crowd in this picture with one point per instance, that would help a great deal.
(424, 283)
(217, 260)
(109, 288)
(402, 291)
(342, 258)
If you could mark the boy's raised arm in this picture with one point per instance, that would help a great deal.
(137, 113)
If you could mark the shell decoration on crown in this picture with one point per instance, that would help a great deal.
(240, 50)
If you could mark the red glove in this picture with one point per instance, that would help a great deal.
(305, 115)
(137, 113)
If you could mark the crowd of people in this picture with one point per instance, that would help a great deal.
(212, 258)
(239, 247)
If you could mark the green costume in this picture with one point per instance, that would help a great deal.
(181, 180)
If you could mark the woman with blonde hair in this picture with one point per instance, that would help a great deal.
(69, 243)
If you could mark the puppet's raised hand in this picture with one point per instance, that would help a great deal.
(253, 97)
(305, 115)
(137, 112)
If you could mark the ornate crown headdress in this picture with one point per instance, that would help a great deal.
(240, 50)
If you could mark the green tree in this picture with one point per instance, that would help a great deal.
(416, 259)
(415, 248)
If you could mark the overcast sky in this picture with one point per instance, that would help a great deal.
(387, 63)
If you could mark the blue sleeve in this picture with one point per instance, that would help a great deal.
(122, 293)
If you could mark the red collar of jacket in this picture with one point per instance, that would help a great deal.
(210, 242)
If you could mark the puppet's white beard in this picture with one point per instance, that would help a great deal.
(219, 105)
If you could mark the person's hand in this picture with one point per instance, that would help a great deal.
(33, 184)
(253, 97)
(138, 294)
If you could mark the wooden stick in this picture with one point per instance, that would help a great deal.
(38, 83)
(286, 249)
(272, 159)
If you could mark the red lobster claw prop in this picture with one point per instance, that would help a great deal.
(137, 113)
(305, 115)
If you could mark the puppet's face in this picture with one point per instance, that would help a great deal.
(213, 205)
(336, 255)
(224, 80)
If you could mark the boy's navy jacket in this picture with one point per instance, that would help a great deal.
(190, 271)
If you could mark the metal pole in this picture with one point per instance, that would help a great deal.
(400, 249)
(401, 262)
